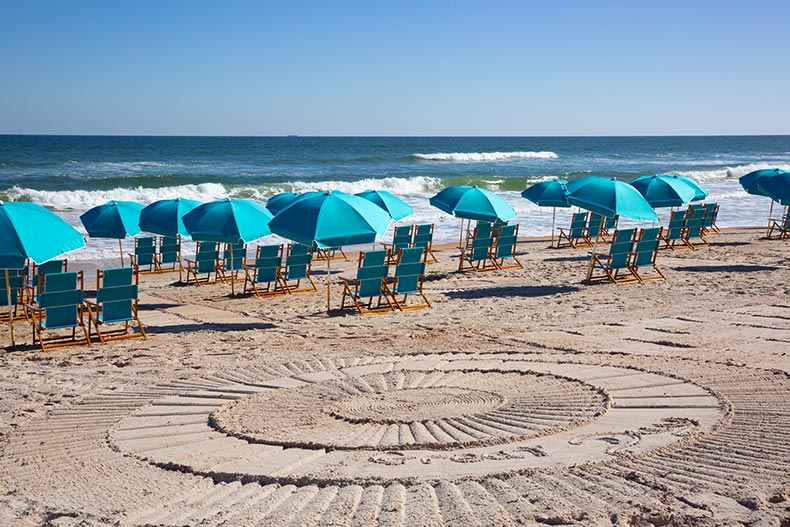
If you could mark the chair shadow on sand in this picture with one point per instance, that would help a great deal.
(528, 291)
(212, 326)
(726, 268)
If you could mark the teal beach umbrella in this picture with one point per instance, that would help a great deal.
(699, 192)
(28, 230)
(330, 219)
(393, 205)
(472, 203)
(776, 187)
(550, 193)
(664, 190)
(751, 184)
(164, 216)
(114, 219)
(279, 201)
(228, 221)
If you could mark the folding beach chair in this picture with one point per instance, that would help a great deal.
(644, 255)
(695, 219)
(116, 303)
(711, 213)
(169, 254)
(594, 230)
(674, 232)
(617, 260)
(609, 225)
(298, 262)
(200, 269)
(232, 262)
(505, 247)
(262, 278)
(59, 307)
(39, 276)
(15, 289)
(781, 227)
(574, 236)
(328, 252)
(369, 284)
(423, 239)
(401, 239)
(408, 279)
(144, 255)
(477, 252)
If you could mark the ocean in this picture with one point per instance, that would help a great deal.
(70, 174)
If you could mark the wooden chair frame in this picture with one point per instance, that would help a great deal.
(96, 309)
(38, 318)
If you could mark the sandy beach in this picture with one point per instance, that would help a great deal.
(522, 397)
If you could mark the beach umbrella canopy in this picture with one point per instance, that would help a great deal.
(228, 220)
(393, 205)
(330, 219)
(776, 187)
(473, 203)
(279, 201)
(664, 190)
(699, 192)
(749, 182)
(553, 193)
(114, 219)
(28, 230)
(610, 197)
(164, 216)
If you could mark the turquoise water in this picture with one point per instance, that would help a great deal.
(73, 173)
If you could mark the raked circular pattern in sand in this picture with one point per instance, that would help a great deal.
(445, 439)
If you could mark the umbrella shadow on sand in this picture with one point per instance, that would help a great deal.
(523, 291)
(211, 326)
(726, 268)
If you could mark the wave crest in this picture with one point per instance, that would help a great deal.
(729, 172)
(477, 157)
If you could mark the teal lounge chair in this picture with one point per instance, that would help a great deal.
(262, 278)
(674, 233)
(617, 261)
(169, 254)
(505, 247)
(408, 279)
(144, 255)
(199, 270)
(780, 228)
(369, 284)
(477, 252)
(574, 236)
(328, 252)
(401, 239)
(609, 226)
(296, 270)
(59, 307)
(644, 255)
(695, 220)
(16, 287)
(594, 231)
(228, 269)
(711, 213)
(116, 303)
(423, 239)
(39, 276)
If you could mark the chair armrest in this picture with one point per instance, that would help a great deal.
(348, 280)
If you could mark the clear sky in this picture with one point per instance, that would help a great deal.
(372, 67)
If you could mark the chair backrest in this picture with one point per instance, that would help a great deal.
(41, 271)
(578, 223)
(16, 281)
(622, 245)
(423, 236)
(506, 241)
(646, 246)
(268, 260)
(61, 299)
(117, 294)
(206, 256)
(409, 271)
(298, 261)
(401, 237)
(710, 210)
(695, 221)
(144, 250)
(239, 252)
(371, 273)
(595, 225)
(169, 249)
(611, 222)
(677, 222)
(482, 241)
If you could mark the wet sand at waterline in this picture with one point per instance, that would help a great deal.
(521, 397)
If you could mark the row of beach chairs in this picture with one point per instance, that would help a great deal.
(687, 228)
(412, 236)
(631, 251)
(780, 228)
(490, 247)
(54, 300)
(585, 228)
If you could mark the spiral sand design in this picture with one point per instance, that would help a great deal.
(662, 433)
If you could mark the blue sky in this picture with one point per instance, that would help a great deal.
(395, 68)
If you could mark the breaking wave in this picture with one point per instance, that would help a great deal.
(477, 157)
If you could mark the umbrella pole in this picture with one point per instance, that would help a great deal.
(120, 247)
(180, 267)
(328, 283)
(461, 235)
(592, 259)
(553, 217)
(770, 216)
(10, 309)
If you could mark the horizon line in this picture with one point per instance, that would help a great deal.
(296, 136)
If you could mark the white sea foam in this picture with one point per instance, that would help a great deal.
(729, 172)
(476, 157)
(412, 186)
